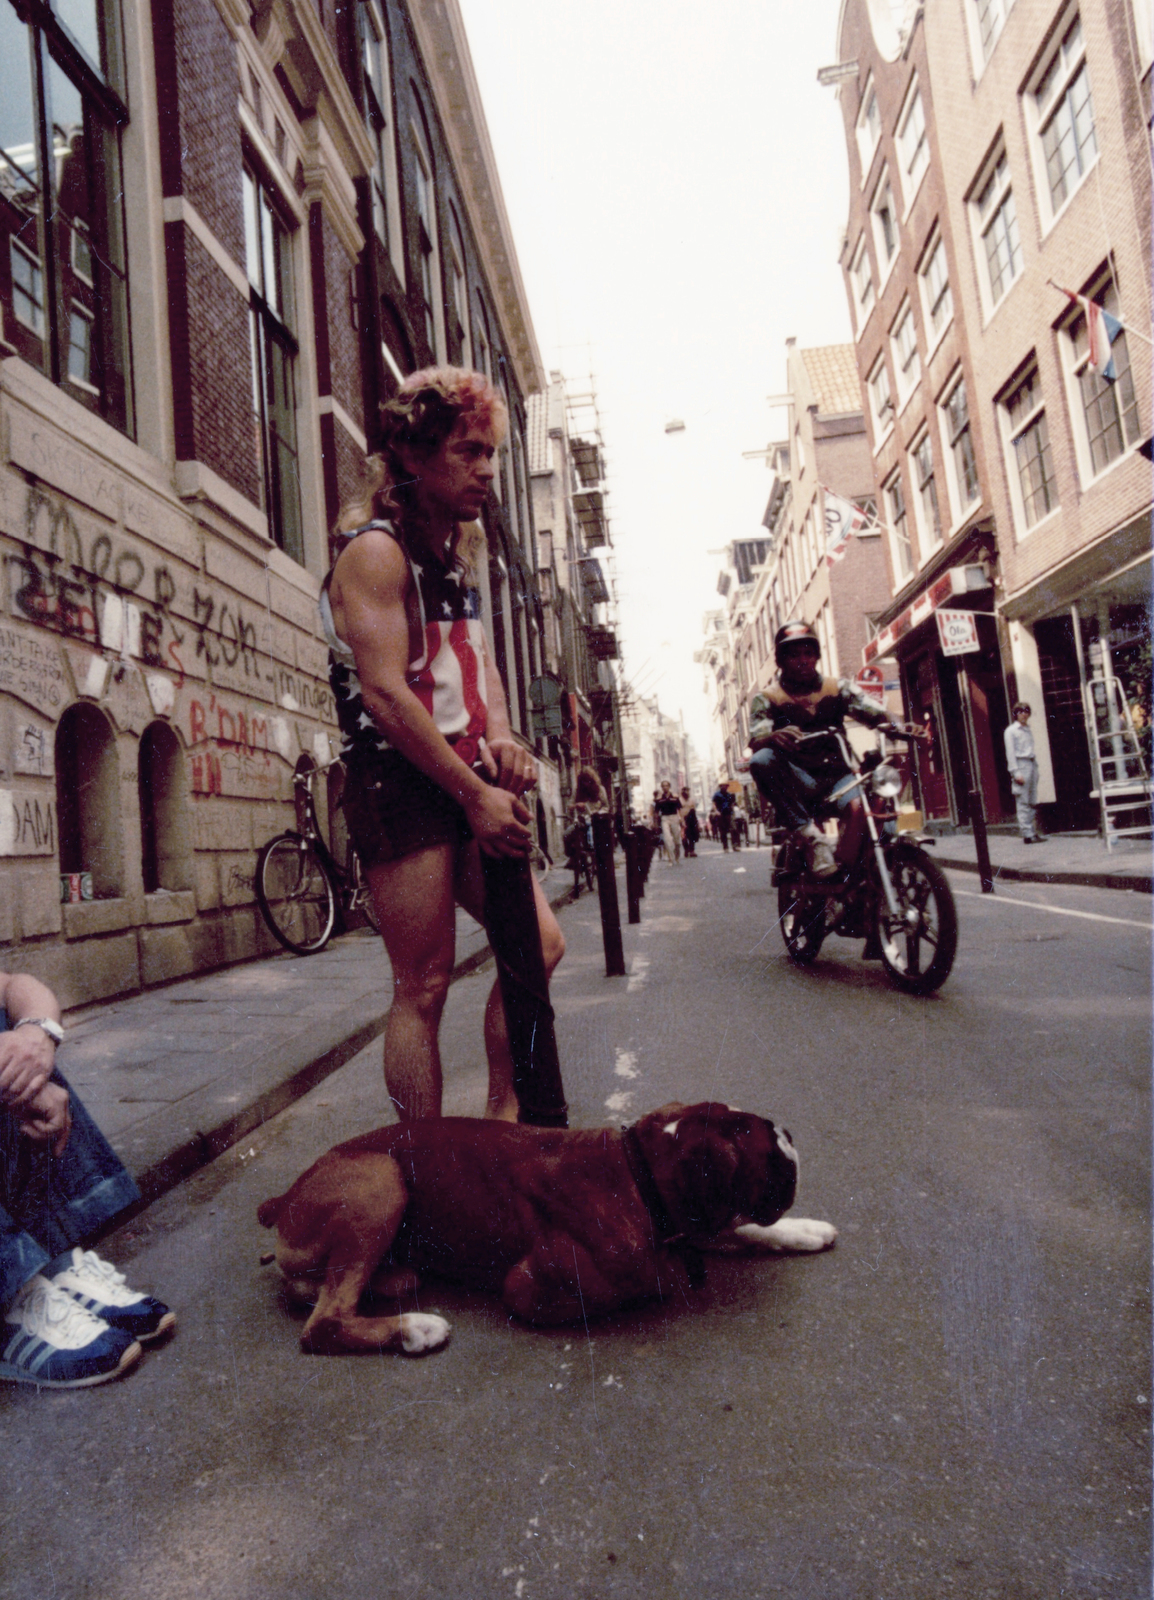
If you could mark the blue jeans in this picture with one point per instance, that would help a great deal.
(48, 1205)
(792, 791)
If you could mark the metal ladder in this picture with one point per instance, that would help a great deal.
(1120, 772)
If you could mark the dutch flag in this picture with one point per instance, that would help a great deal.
(1103, 329)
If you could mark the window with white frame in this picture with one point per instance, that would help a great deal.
(1033, 486)
(937, 297)
(989, 18)
(900, 549)
(861, 271)
(881, 401)
(272, 321)
(961, 466)
(913, 145)
(383, 185)
(928, 510)
(997, 225)
(1065, 114)
(482, 359)
(1106, 412)
(428, 253)
(869, 127)
(907, 361)
(459, 287)
(884, 217)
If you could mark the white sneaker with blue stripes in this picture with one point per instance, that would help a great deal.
(49, 1339)
(98, 1287)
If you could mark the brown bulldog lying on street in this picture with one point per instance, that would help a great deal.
(565, 1225)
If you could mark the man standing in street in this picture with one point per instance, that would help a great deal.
(423, 715)
(1023, 765)
(723, 805)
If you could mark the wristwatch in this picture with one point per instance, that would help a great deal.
(53, 1029)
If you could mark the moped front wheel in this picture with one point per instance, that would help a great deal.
(919, 946)
(802, 920)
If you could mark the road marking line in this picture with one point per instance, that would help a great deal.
(1057, 911)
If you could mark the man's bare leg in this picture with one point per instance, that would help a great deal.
(415, 905)
(502, 1101)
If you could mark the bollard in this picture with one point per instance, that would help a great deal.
(633, 888)
(510, 914)
(607, 893)
(981, 843)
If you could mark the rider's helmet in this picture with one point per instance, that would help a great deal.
(793, 633)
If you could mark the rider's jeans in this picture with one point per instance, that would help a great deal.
(793, 792)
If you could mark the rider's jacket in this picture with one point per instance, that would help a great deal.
(825, 706)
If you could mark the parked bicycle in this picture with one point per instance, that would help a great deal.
(300, 886)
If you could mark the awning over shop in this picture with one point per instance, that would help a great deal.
(957, 585)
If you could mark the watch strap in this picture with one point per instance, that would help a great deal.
(53, 1029)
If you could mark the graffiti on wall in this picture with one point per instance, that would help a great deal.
(33, 751)
(233, 750)
(80, 580)
(31, 670)
(27, 825)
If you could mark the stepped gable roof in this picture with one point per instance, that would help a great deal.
(833, 376)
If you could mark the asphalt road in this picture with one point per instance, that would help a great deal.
(954, 1401)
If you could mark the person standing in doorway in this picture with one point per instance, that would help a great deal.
(1023, 765)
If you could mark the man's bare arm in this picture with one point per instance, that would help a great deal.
(27, 1055)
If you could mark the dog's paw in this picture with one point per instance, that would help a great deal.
(421, 1332)
(790, 1233)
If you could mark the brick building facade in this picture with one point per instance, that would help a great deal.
(231, 229)
(999, 154)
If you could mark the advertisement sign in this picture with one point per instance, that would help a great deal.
(958, 632)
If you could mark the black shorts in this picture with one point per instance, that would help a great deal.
(393, 810)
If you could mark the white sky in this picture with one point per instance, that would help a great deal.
(676, 182)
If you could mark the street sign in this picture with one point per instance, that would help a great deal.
(958, 632)
(871, 681)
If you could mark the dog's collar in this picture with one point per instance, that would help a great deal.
(667, 1232)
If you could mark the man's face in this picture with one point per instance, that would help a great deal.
(800, 660)
(454, 480)
(1024, 715)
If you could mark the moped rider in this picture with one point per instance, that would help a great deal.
(795, 778)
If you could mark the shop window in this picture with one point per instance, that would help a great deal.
(63, 275)
(272, 319)
(88, 798)
(165, 851)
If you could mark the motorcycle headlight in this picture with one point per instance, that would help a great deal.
(886, 780)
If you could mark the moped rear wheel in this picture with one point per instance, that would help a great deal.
(802, 920)
(918, 950)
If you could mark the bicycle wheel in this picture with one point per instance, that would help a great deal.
(918, 950)
(294, 894)
(802, 919)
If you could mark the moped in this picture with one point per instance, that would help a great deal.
(886, 891)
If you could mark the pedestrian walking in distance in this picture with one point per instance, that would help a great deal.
(434, 773)
(668, 809)
(690, 827)
(1023, 765)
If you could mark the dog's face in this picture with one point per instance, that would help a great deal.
(716, 1163)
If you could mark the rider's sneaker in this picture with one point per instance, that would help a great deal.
(52, 1341)
(100, 1289)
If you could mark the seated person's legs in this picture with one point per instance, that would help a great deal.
(69, 1319)
(794, 794)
